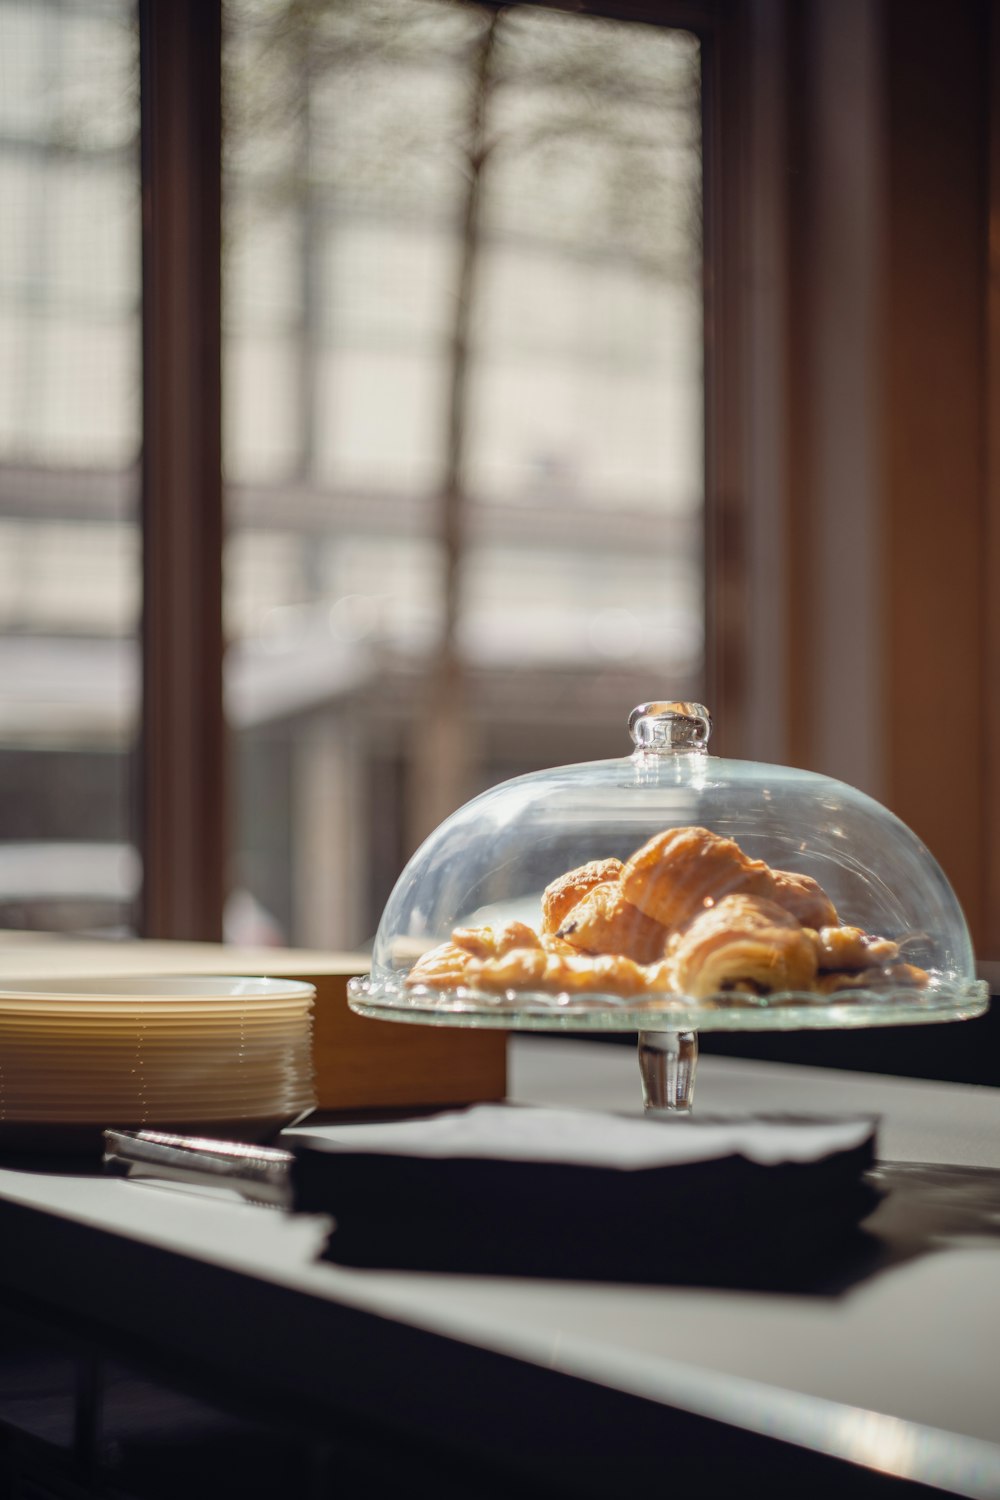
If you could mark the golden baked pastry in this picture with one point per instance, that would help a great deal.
(520, 969)
(684, 870)
(442, 967)
(517, 935)
(477, 942)
(534, 969)
(689, 913)
(562, 895)
(605, 922)
(801, 896)
(851, 948)
(743, 943)
(486, 942)
(553, 944)
(451, 963)
(660, 976)
(911, 976)
(884, 976)
(448, 966)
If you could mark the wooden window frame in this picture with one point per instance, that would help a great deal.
(182, 776)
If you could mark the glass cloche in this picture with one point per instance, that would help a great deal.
(670, 892)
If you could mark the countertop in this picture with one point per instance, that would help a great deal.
(898, 1371)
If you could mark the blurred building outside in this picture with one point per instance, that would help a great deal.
(463, 441)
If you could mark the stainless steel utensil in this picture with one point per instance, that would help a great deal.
(260, 1174)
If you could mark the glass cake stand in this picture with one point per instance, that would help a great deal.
(640, 850)
(668, 1026)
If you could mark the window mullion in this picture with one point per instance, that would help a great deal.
(182, 805)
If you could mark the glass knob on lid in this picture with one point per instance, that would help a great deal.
(670, 728)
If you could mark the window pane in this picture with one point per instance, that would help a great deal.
(464, 425)
(70, 402)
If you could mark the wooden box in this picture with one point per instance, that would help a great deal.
(360, 1064)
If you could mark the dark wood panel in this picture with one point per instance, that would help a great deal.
(990, 683)
(725, 113)
(182, 783)
(935, 435)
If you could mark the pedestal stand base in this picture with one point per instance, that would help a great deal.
(667, 1063)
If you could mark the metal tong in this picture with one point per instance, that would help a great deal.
(260, 1174)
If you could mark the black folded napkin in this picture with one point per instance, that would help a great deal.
(508, 1190)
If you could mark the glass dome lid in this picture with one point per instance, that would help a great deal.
(671, 890)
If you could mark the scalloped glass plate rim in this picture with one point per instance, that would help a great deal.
(959, 1000)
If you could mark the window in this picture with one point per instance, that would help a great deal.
(432, 582)
(464, 419)
(463, 433)
(69, 439)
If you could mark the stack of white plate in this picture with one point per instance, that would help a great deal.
(220, 1056)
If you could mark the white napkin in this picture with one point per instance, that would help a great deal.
(585, 1138)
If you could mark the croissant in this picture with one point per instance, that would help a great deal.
(443, 967)
(850, 948)
(688, 913)
(485, 942)
(681, 871)
(477, 942)
(742, 943)
(555, 968)
(553, 944)
(801, 896)
(452, 963)
(605, 922)
(562, 895)
(535, 969)
(884, 976)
